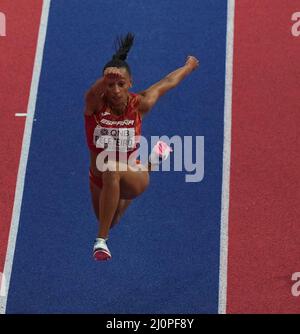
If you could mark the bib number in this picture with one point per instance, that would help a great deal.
(114, 139)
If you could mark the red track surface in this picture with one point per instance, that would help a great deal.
(17, 52)
(264, 210)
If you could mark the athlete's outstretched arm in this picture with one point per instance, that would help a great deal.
(150, 96)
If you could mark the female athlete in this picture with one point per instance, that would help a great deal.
(110, 112)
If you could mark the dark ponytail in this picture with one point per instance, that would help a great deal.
(122, 46)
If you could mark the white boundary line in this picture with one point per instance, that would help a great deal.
(21, 114)
(25, 151)
(226, 160)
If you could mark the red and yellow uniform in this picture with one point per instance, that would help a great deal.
(114, 133)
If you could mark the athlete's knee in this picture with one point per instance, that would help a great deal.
(138, 188)
(142, 185)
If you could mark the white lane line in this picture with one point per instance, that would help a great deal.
(24, 153)
(226, 160)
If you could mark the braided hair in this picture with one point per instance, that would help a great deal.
(122, 46)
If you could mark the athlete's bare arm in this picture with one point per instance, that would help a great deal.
(94, 96)
(150, 96)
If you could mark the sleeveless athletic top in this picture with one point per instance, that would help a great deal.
(104, 130)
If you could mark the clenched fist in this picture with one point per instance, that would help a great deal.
(113, 73)
(192, 62)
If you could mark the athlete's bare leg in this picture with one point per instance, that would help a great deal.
(119, 184)
(109, 200)
(122, 206)
(118, 190)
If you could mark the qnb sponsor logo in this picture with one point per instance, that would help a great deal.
(296, 286)
(2, 285)
(120, 139)
(187, 155)
(2, 24)
(296, 26)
